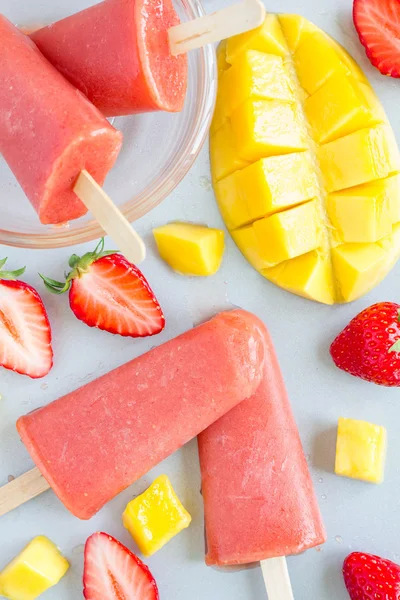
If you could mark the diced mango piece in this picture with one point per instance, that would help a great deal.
(190, 249)
(289, 234)
(231, 202)
(249, 245)
(255, 75)
(267, 38)
(316, 60)
(360, 450)
(340, 107)
(360, 157)
(358, 268)
(277, 182)
(363, 213)
(265, 128)
(309, 275)
(39, 567)
(156, 516)
(223, 153)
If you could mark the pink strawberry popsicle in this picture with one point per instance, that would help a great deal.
(117, 53)
(49, 132)
(258, 495)
(93, 443)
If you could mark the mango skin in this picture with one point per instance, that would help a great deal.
(299, 130)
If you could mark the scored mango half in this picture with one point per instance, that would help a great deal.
(305, 165)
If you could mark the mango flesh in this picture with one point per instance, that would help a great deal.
(156, 516)
(190, 249)
(305, 166)
(360, 450)
(37, 568)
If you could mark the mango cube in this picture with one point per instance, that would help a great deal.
(364, 213)
(156, 516)
(267, 38)
(340, 107)
(316, 60)
(277, 182)
(223, 153)
(190, 249)
(358, 158)
(265, 128)
(255, 75)
(358, 268)
(309, 275)
(360, 450)
(37, 568)
(289, 233)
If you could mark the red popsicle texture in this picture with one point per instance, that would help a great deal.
(49, 132)
(258, 495)
(117, 53)
(93, 443)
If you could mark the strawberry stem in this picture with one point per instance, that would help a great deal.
(79, 265)
(10, 275)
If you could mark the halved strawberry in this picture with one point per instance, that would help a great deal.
(108, 292)
(25, 334)
(378, 26)
(112, 572)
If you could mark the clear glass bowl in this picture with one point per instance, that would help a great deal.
(158, 151)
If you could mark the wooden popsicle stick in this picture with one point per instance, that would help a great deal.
(21, 490)
(276, 579)
(110, 218)
(220, 25)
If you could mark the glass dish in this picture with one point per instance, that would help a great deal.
(158, 151)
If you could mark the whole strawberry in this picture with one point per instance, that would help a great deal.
(25, 333)
(108, 292)
(369, 577)
(369, 347)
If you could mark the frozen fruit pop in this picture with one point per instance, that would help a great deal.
(117, 53)
(258, 495)
(93, 443)
(49, 132)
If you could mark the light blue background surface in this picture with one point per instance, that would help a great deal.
(358, 516)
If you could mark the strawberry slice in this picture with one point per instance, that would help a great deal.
(108, 292)
(378, 26)
(25, 334)
(112, 572)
